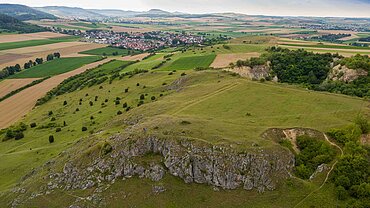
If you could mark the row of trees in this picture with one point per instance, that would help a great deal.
(10, 70)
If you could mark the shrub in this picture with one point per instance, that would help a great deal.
(64, 123)
(91, 103)
(33, 125)
(52, 119)
(185, 122)
(183, 74)
(96, 98)
(91, 117)
(106, 149)
(346, 134)
(117, 102)
(128, 108)
(65, 102)
(106, 100)
(18, 135)
(152, 98)
(124, 105)
(142, 97)
(363, 124)
(138, 84)
(119, 112)
(77, 109)
(51, 139)
(140, 103)
(84, 128)
(126, 90)
(50, 113)
(58, 130)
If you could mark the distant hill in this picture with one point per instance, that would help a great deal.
(70, 12)
(24, 13)
(98, 14)
(10, 24)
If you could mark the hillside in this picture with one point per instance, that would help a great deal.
(70, 12)
(24, 13)
(10, 24)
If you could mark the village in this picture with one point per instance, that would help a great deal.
(142, 41)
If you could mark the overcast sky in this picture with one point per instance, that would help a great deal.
(353, 8)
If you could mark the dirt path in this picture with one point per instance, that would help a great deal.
(17, 106)
(10, 85)
(206, 97)
(327, 175)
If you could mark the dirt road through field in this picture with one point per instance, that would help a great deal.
(17, 106)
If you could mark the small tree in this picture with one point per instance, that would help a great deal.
(58, 129)
(65, 102)
(18, 135)
(84, 128)
(126, 90)
(142, 97)
(119, 112)
(117, 102)
(50, 57)
(50, 113)
(152, 98)
(124, 105)
(51, 139)
(33, 125)
(91, 103)
(64, 123)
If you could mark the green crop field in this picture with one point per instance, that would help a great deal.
(55, 67)
(108, 51)
(191, 62)
(29, 43)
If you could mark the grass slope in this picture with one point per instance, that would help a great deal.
(29, 43)
(55, 67)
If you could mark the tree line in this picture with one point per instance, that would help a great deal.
(11, 70)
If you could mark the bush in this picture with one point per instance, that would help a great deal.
(128, 108)
(51, 139)
(346, 134)
(363, 124)
(58, 129)
(77, 109)
(183, 74)
(124, 105)
(106, 149)
(117, 102)
(50, 113)
(152, 98)
(33, 125)
(138, 84)
(84, 128)
(91, 103)
(341, 193)
(119, 112)
(18, 135)
(126, 90)
(65, 102)
(142, 97)
(52, 119)
(140, 103)
(91, 117)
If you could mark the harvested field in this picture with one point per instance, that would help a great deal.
(20, 104)
(138, 57)
(29, 36)
(41, 48)
(10, 85)
(333, 49)
(223, 60)
(68, 49)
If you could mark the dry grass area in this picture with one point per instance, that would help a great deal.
(130, 29)
(138, 57)
(22, 55)
(223, 60)
(17, 106)
(29, 36)
(10, 85)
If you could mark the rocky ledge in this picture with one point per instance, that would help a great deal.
(192, 161)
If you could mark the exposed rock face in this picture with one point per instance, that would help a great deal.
(255, 73)
(345, 74)
(192, 161)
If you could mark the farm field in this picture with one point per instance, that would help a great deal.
(9, 85)
(55, 67)
(17, 106)
(107, 51)
(190, 62)
(22, 55)
(29, 43)
(223, 60)
(30, 36)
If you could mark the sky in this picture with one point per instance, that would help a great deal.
(323, 8)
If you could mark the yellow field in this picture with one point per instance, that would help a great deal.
(223, 60)
(29, 36)
(10, 85)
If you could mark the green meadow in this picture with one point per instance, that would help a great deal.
(55, 67)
